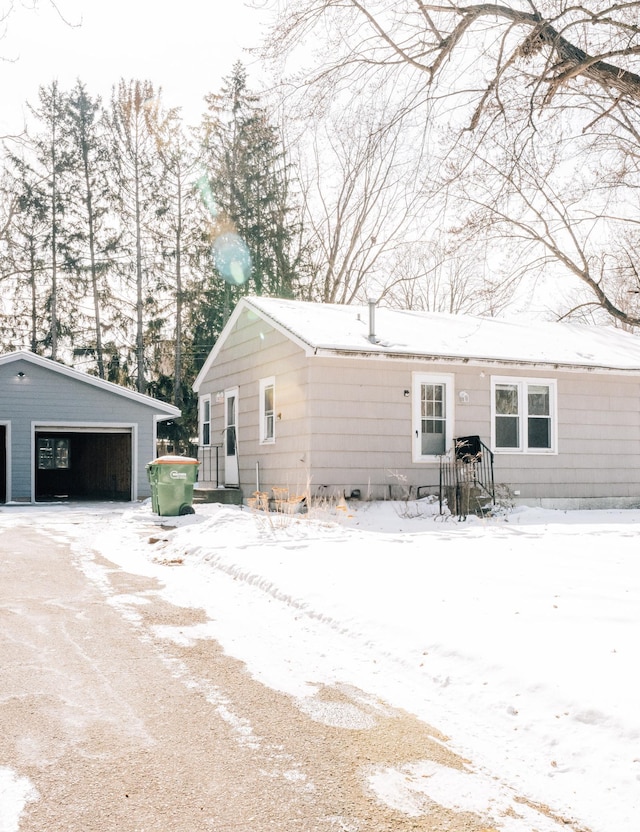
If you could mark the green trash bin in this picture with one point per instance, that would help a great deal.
(172, 479)
(152, 475)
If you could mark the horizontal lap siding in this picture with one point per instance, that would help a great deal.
(361, 423)
(347, 423)
(598, 443)
(44, 396)
(252, 351)
(361, 430)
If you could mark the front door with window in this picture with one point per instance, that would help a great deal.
(231, 474)
(432, 416)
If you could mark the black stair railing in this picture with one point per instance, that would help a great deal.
(209, 458)
(466, 477)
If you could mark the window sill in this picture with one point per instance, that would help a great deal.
(525, 452)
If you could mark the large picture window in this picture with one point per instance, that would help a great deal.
(432, 422)
(267, 410)
(524, 415)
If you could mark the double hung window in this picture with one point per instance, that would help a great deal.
(524, 415)
(205, 420)
(267, 410)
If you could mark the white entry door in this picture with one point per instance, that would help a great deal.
(231, 476)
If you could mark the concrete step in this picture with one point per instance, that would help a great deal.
(226, 496)
(468, 499)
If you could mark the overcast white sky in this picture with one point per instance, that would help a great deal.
(185, 47)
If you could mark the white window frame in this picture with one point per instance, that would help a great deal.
(267, 418)
(418, 379)
(523, 385)
(204, 402)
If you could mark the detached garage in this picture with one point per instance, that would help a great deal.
(68, 435)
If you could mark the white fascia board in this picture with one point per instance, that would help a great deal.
(245, 304)
(215, 350)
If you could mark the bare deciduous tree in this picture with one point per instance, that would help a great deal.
(451, 276)
(507, 82)
(547, 45)
(357, 178)
(135, 119)
(547, 206)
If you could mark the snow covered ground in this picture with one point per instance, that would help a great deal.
(518, 637)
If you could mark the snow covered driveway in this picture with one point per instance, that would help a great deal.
(104, 725)
(105, 730)
(231, 670)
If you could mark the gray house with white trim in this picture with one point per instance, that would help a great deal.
(67, 435)
(354, 399)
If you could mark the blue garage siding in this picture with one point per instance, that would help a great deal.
(33, 395)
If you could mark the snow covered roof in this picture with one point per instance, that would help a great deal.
(25, 355)
(341, 328)
(338, 329)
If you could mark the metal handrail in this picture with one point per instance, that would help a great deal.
(469, 465)
(209, 458)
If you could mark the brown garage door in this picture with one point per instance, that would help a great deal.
(82, 465)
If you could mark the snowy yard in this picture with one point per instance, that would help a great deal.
(517, 637)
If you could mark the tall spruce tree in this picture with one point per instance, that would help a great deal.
(45, 165)
(246, 193)
(24, 249)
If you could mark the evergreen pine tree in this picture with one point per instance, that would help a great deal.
(246, 191)
(44, 168)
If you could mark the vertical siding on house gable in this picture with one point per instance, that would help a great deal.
(45, 396)
(252, 351)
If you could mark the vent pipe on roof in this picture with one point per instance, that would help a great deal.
(372, 321)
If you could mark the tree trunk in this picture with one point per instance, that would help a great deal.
(177, 372)
(92, 260)
(141, 382)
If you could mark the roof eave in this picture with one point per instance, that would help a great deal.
(245, 304)
(213, 353)
(332, 352)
